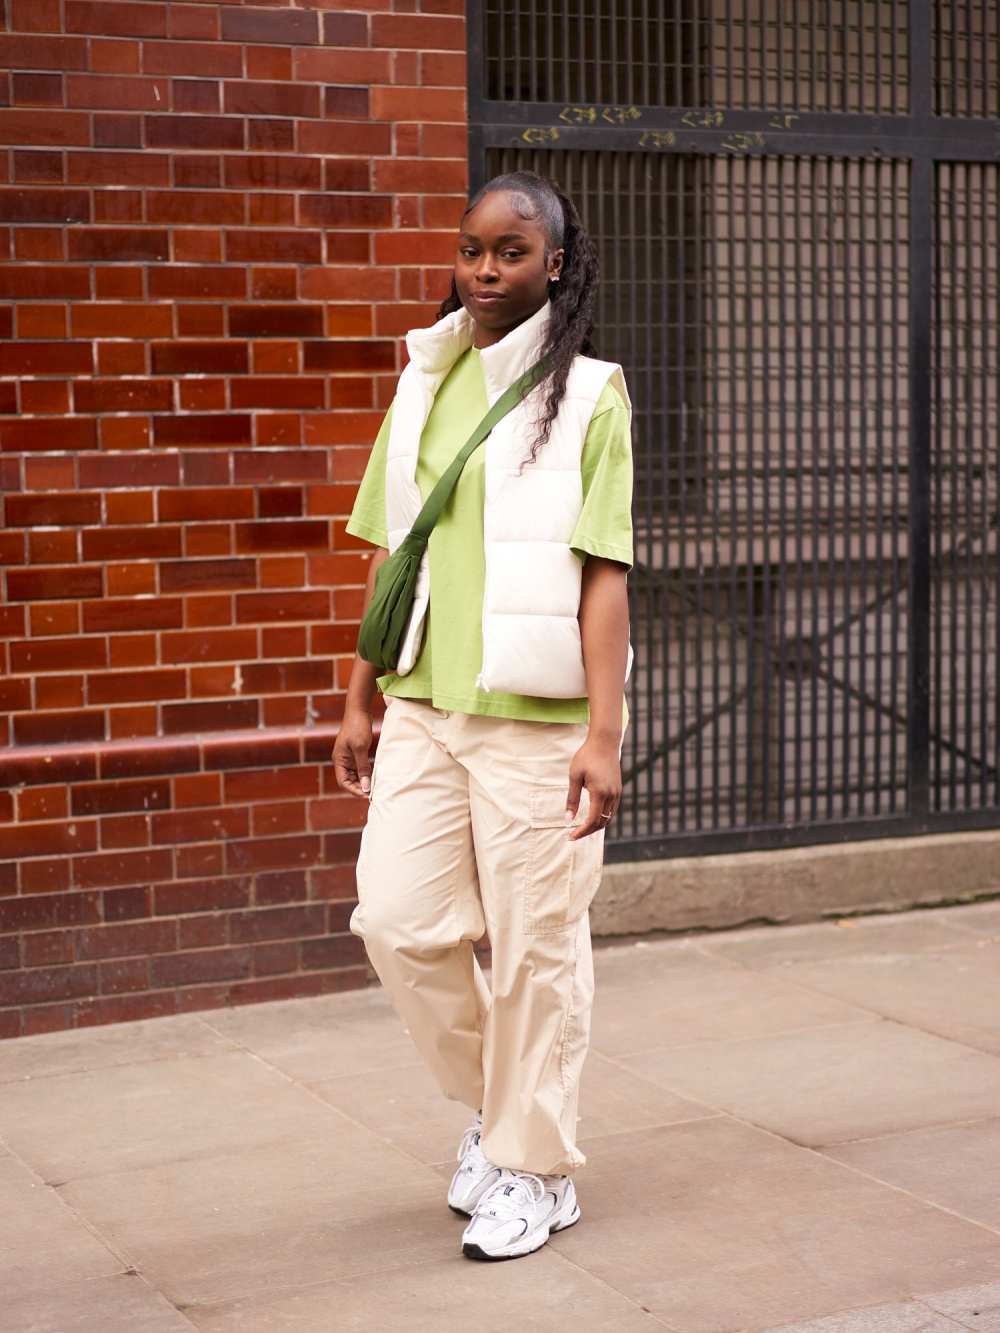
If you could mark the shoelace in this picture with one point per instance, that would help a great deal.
(510, 1196)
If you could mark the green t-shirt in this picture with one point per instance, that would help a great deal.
(451, 656)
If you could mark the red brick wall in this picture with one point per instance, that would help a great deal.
(217, 218)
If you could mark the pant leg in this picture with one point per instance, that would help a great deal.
(536, 887)
(418, 896)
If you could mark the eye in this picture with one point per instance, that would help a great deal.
(512, 254)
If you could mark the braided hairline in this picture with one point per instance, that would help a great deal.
(572, 298)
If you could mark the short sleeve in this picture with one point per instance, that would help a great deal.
(604, 528)
(367, 519)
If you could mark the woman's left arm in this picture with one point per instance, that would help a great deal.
(604, 631)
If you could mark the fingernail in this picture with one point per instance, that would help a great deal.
(569, 816)
(366, 785)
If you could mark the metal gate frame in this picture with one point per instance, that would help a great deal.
(920, 137)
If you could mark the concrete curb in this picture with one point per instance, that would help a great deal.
(796, 884)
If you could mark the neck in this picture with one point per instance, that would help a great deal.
(490, 337)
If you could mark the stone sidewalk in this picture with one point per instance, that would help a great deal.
(787, 1127)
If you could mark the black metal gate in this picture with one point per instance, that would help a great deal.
(797, 204)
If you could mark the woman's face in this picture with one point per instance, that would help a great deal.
(501, 270)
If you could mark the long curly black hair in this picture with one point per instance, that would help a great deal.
(573, 297)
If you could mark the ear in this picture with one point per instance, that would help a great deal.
(555, 263)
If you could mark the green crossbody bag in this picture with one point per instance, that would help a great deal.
(389, 609)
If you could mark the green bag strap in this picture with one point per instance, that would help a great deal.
(438, 498)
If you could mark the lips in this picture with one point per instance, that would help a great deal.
(487, 298)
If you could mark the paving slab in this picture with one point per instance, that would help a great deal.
(41, 1240)
(744, 1231)
(975, 1307)
(403, 1107)
(290, 1213)
(911, 1317)
(450, 1295)
(955, 993)
(327, 1037)
(981, 918)
(956, 1167)
(78, 1125)
(906, 933)
(831, 1085)
(669, 995)
(121, 1304)
(176, 1037)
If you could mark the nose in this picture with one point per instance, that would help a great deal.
(486, 269)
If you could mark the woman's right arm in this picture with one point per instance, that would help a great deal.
(351, 761)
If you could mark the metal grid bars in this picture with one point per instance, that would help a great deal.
(965, 740)
(967, 58)
(611, 51)
(806, 384)
(806, 55)
(782, 55)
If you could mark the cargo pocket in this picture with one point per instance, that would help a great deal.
(562, 876)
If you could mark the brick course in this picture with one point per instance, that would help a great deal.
(216, 218)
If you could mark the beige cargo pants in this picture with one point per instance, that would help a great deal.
(466, 832)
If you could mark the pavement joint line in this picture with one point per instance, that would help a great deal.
(661, 1087)
(874, 1015)
(940, 1313)
(938, 1036)
(900, 1189)
(599, 1281)
(855, 1311)
(916, 1129)
(336, 1110)
(118, 1252)
(865, 1309)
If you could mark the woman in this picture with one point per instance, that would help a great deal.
(498, 763)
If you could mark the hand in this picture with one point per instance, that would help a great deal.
(351, 761)
(596, 766)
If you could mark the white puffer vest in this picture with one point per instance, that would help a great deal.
(531, 633)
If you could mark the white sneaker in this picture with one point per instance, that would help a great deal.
(518, 1214)
(475, 1176)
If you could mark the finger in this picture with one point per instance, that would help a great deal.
(346, 782)
(363, 768)
(346, 773)
(593, 821)
(573, 796)
(347, 779)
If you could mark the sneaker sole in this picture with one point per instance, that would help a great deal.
(476, 1252)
